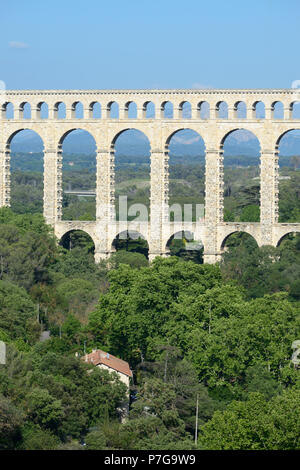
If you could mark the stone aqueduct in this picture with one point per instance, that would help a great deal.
(212, 231)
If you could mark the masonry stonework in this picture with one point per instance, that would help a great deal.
(211, 230)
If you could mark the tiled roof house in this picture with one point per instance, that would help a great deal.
(112, 363)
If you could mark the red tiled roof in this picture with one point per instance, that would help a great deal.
(101, 357)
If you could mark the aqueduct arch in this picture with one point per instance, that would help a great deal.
(224, 242)
(6, 163)
(282, 237)
(223, 145)
(208, 124)
(122, 238)
(66, 238)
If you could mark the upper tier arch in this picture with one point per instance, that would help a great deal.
(268, 99)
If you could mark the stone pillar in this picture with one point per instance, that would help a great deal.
(268, 112)
(70, 113)
(53, 185)
(5, 176)
(18, 113)
(287, 113)
(52, 112)
(231, 113)
(161, 112)
(140, 113)
(159, 202)
(195, 113)
(105, 112)
(87, 112)
(177, 112)
(105, 186)
(213, 112)
(35, 113)
(268, 194)
(251, 114)
(213, 202)
(100, 255)
(123, 112)
(105, 201)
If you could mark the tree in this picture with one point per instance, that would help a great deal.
(134, 260)
(295, 290)
(255, 424)
(259, 332)
(181, 376)
(259, 379)
(96, 440)
(295, 160)
(77, 294)
(44, 409)
(36, 438)
(11, 419)
(28, 249)
(154, 420)
(17, 313)
(131, 317)
(250, 214)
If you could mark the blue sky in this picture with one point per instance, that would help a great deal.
(149, 44)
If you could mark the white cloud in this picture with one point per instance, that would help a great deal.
(18, 45)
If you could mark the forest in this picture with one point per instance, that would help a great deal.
(218, 334)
